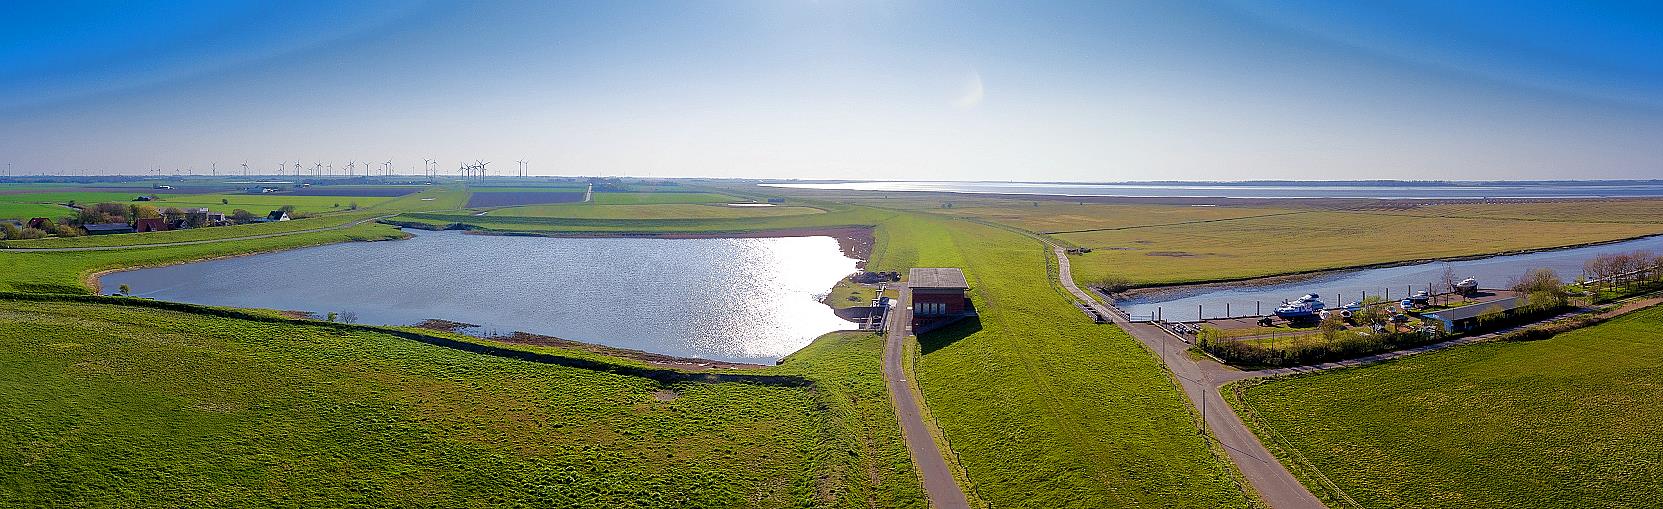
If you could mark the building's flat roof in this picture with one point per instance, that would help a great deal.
(1465, 312)
(930, 277)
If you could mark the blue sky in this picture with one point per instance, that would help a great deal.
(1087, 91)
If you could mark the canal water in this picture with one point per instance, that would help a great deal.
(1338, 289)
(747, 300)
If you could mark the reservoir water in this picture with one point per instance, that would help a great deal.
(1381, 190)
(748, 300)
(1180, 304)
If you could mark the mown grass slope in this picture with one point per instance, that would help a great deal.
(109, 405)
(1569, 421)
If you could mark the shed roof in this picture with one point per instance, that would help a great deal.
(107, 227)
(928, 277)
(1465, 312)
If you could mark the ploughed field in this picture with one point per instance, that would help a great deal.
(1569, 421)
(112, 405)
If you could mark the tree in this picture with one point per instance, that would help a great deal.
(126, 289)
(287, 208)
(1543, 290)
(10, 231)
(1373, 312)
(1448, 281)
(224, 201)
(31, 233)
(349, 317)
(242, 216)
(65, 230)
(1331, 326)
(144, 212)
(333, 315)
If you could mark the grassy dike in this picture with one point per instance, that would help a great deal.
(1568, 421)
(129, 405)
(1042, 407)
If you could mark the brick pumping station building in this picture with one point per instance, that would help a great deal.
(938, 297)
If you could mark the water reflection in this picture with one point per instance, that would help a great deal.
(750, 300)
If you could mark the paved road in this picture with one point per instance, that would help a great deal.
(1201, 380)
(191, 242)
(939, 484)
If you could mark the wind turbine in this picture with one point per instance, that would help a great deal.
(389, 166)
(352, 167)
(245, 168)
(522, 167)
(280, 168)
(213, 167)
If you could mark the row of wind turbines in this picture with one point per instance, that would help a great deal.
(430, 169)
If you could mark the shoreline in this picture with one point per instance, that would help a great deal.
(1158, 290)
(651, 358)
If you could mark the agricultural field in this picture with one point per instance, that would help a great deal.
(613, 198)
(26, 211)
(262, 203)
(1610, 211)
(832, 217)
(1316, 240)
(111, 405)
(1563, 422)
(505, 197)
(67, 272)
(1054, 216)
(652, 211)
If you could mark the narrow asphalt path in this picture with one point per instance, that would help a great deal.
(191, 242)
(1201, 380)
(939, 485)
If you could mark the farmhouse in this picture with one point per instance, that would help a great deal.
(154, 224)
(40, 223)
(938, 297)
(276, 215)
(107, 228)
(1466, 318)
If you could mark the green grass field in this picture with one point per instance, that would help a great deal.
(107, 405)
(27, 211)
(649, 211)
(1563, 422)
(65, 272)
(262, 203)
(645, 198)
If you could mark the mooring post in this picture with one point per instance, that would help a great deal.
(1226, 311)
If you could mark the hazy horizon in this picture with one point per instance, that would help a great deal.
(899, 91)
